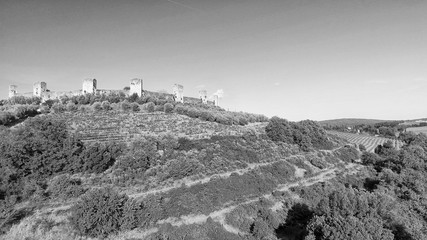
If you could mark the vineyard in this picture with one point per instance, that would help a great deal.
(126, 126)
(370, 142)
(417, 130)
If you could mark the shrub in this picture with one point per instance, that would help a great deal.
(97, 158)
(57, 108)
(125, 105)
(362, 147)
(106, 105)
(71, 107)
(133, 98)
(83, 108)
(149, 107)
(63, 186)
(168, 108)
(96, 106)
(98, 213)
(158, 108)
(6, 117)
(133, 215)
(135, 107)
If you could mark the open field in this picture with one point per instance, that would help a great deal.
(417, 129)
(370, 142)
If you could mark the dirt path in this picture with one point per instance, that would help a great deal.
(299, 173)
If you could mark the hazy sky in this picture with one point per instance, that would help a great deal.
(294, 59)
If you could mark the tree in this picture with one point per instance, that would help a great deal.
(98, 213)
(168, 108)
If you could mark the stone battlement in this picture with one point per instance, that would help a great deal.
(89, 86)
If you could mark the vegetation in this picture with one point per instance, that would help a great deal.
(189, 171)
(306, 134)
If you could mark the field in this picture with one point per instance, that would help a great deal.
(417, 129)
(126, 126)
(370, 142)
(349, 122)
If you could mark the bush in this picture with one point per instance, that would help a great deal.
(125, 105)
(83, 108)
(97, 158)
(158, 108)
(6, 117)
(71, 107)
(168, 108)
(57, 108)
(63, 186)
(106, 105)
(149, 107)
(135, 107)
(96, 106)
(98, 213)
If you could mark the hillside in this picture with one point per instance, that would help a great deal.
(178, 177)
(125, 126)
(350, 122)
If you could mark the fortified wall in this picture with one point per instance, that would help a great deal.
(90, 86)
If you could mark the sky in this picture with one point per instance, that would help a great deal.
(293, 59)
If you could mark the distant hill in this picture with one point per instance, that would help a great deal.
(349, 122)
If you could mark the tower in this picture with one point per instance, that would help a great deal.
(216, 100)
(13, 89)
(203, 95)
(178, 92)
(136, 86)
(39, 88)
(89, 86)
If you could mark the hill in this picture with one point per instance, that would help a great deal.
(155, 175)
(349, 122)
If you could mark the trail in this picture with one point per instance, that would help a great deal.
(299, 173)
(220, 215)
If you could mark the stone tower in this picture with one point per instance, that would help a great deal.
(216, 100)
(89, 86)
(136, 86)
(39, 88)
(203, 95)
(178, 92)
(13, 89)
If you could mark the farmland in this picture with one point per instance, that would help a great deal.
(417, 129)
(126, 126)
(370, 142)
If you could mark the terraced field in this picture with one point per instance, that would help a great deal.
(370, 142)
(125, 126)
